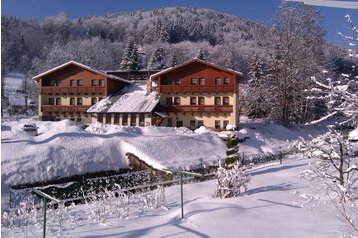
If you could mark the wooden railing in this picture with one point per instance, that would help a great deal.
(195, 89)
(196, 108)
(73, 89)
(63, 108)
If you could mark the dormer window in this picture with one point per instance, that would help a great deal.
(218, 81)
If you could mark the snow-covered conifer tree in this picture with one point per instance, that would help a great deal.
(201, 55)
(130, 58)
(157, 59)
(232, 151)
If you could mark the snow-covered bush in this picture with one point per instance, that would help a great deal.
(232, 151)
(334, 173)
(231, 182)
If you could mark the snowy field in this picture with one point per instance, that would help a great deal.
(272, 206)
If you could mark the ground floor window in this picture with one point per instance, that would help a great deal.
(225, 123)
(100, 117)
(141, 119)
(108, 118)
(133, 119)
(179, 123)
(217, 124)
(170, 122)
(192, 124)
(125, 119)
(200, 123)
(116, 119)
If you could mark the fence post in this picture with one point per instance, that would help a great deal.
(280, 154)
(44, 225)
(181, 196)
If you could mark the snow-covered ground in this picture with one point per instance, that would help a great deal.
(271, 208)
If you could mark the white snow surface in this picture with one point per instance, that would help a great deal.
(135, 98)
(353, 135)
(63, 149)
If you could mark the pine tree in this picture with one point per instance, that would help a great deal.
(201, 55)
(232, 151)
(157, 59)
(174, 60)
(130, 58)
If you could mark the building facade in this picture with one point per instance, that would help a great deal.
(69, 90)
(198, 93)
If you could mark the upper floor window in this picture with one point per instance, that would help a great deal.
(218, 80)
(201, 101)
(72, 101)
(79, 82)
(101, 82)
(193, 81)
(58, 101)
(193, 101)
(177, 82)
(72, 82)
(168, 101)
(201, 81)
(51, 101)
(177, 101)
(93, 101)
(54, 83)
(79, 101)
(226, 100)
(94, 82)
(226, 80)
(217, 100)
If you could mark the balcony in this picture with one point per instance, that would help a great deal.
(63, 108)
(196, 108)
(195, 89)
(72, 89)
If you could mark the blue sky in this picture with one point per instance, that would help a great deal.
(258, 10)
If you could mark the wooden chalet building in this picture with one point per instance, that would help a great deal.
(192, 94)
(197, 93)
(69, 90)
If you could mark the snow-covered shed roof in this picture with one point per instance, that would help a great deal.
(192, 61)
(81, 66)
(132, 99)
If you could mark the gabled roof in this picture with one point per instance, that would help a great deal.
(192, 61)
(81, 66)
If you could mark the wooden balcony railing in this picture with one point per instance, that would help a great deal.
(73, 89)
(63, 108)
(196, 108)
(195, 89)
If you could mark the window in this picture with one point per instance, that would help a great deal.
(217, 100)
(58, 101)
(51, 101)
(177, 101)
(217, 124)
(72, 101)
(100, 117)
(170, 122)
(192, 124)
(218, 81)
(116, 119)
(226, 80)
(177, 81)
(201, 101)
(72, 82)
(226, 101)
(179, 123)
(193, 81)
(125, 119)
(200, 123)
(141, 119)
(94, 82)
(93, 101)
(201, 81)
(79, 101)
(101, 82)
(54, 82)
(169, 101)
(225, 123)
(108, 118)
(193, 101)
(133, 119)
(79, 82)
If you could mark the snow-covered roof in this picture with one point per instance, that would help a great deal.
(192, 61)
(132, 99)
(81, 66)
